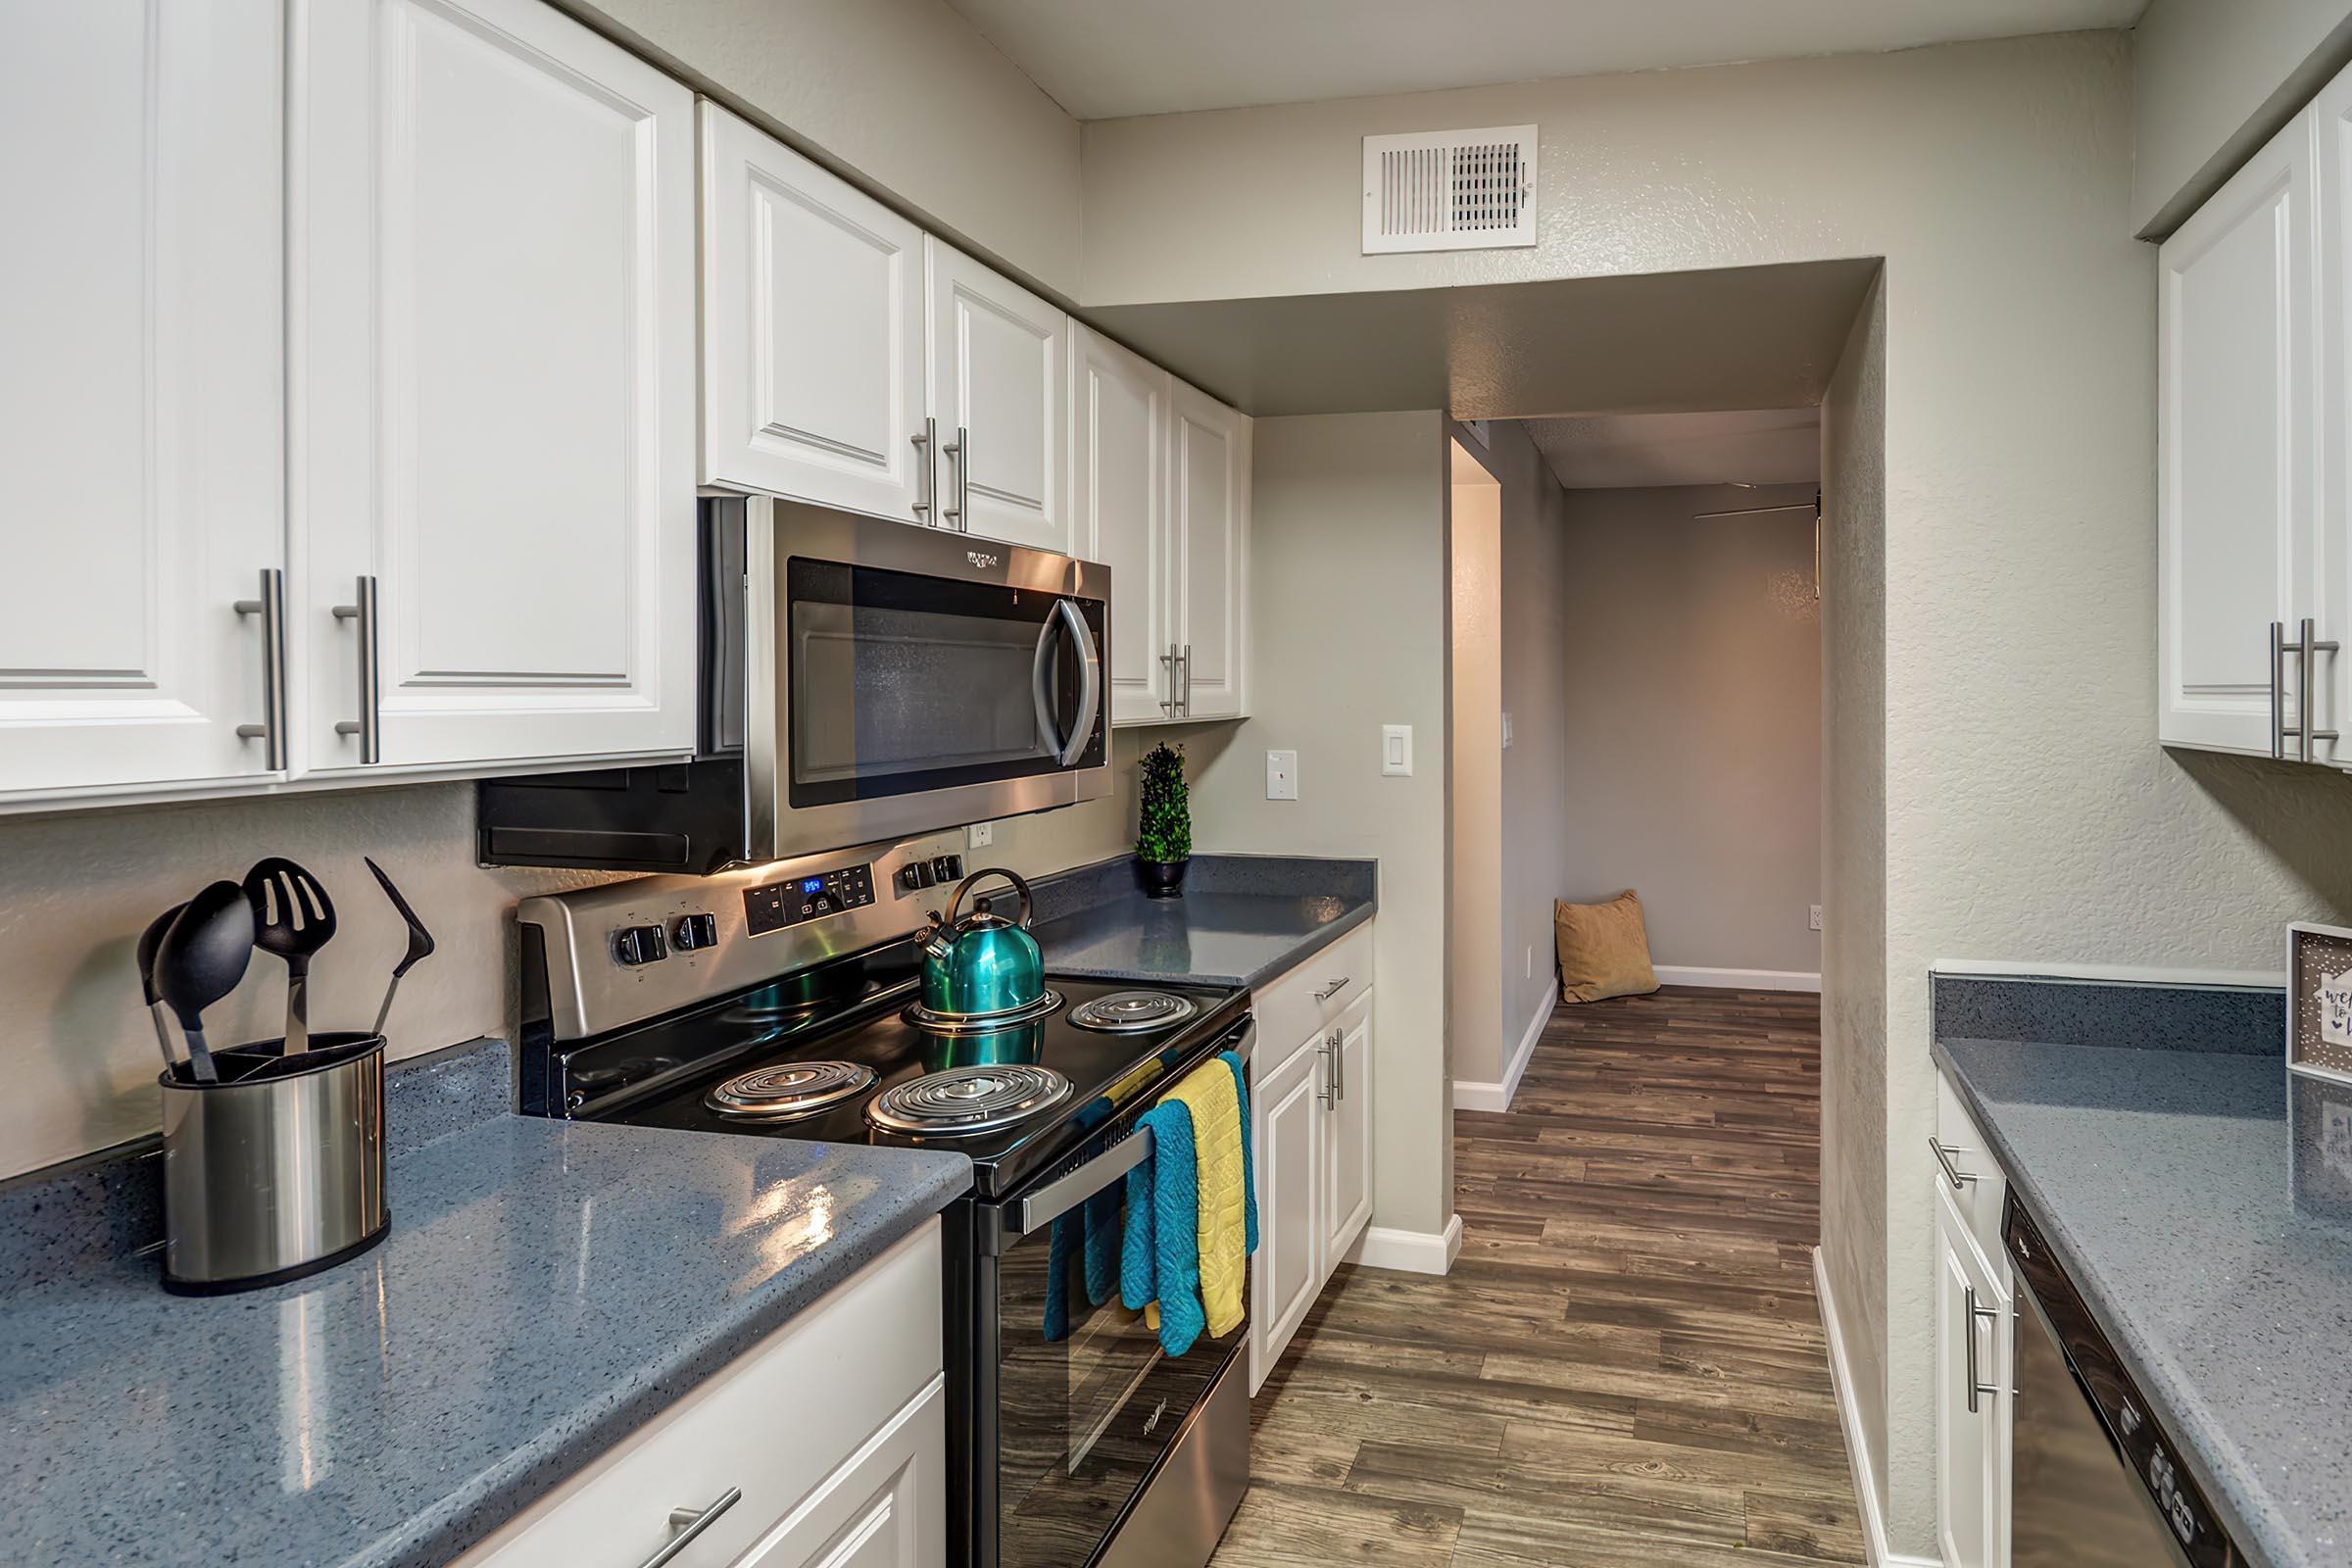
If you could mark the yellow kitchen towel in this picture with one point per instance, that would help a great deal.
(1210, 1095)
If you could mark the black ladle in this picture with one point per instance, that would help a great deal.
(293, 918)
(149, 940)
(421, 942)
(200, 959)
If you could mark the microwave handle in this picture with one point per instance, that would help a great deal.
(1090, 683)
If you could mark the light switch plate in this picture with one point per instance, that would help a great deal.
(1282, 775)
(1397, 751)
(983, 834)
(1506, 729)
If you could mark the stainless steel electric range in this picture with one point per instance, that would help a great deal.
(774, 1002)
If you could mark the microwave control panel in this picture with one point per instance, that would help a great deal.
(778, 904)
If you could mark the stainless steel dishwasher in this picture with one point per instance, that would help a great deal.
(2094, 1482)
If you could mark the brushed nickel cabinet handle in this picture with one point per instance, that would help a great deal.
(689, 1523)
(1332, 990)
(1167, 661)
(369, 725)
(1188, 681)
(1943, 1156)
(1329, 1094)
(1978, 1389)
(271, 608)
(2309, 647)
(926, 442)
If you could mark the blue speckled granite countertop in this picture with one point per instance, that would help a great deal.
(2161, 1179)
(546, 1287)
(1242, 920)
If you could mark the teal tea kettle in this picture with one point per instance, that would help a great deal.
(981, 964)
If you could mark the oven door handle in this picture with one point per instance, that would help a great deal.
(1059, 1196)
(1090, 682)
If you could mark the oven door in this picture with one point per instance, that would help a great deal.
(1086, 1408)
(904, 679)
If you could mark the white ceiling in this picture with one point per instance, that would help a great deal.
(1103, 59)
(1638, 451)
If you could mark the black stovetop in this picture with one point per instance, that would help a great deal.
(658, 1074)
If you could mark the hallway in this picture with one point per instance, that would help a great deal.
(1626, 1367)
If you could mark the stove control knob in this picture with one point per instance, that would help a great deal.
(693, 933)
(639, 944)
(911, 878)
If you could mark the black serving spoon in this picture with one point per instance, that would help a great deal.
(293, 918)
(148, 941)
(200, 959)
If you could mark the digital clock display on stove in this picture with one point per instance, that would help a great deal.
(778, 904)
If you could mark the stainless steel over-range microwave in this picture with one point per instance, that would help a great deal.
(861, 679)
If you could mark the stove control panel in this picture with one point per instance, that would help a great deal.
(779, 904)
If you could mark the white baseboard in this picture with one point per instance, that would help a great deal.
(1857, 1452)
(1671, 974)
(1411, 1252)
(1470, 1094)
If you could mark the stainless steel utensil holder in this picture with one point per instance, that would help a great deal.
(273, 1177)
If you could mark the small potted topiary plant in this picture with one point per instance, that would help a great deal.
(1164, 844)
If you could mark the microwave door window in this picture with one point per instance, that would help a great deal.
(882, 692)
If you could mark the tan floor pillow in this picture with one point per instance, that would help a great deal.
(1604, 948)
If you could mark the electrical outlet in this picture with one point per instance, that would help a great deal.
(982, 834)
(1816, 920)
(1282, 775)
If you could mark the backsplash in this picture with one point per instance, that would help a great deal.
(77, 1050)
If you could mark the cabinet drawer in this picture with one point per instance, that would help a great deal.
(1982, 1185)
(1294, 1009)
(860, 1356)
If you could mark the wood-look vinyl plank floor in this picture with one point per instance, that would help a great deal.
(1626, 1367)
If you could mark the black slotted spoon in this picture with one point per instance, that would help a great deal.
(293, 918)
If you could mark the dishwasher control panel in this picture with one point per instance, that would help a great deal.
(2122, 1409)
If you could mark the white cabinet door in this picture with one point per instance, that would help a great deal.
(1288, 1272)
(494, 394)
(2330, 601)
(1347, 1138)
(885, 1509)
(813, 331)
(1209, 468)
(1119, 439)
(996, 388)
(1971, 1353)
(2235, 505)
(140, 391)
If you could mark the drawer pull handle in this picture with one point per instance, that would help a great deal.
(689, 1523)
(1943, 1156)
(1332, 990)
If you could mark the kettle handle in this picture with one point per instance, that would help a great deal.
(955, 903)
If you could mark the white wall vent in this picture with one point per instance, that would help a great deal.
(1450, 191)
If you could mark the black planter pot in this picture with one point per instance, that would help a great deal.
(1162, 880)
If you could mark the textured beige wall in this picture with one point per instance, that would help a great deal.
(1349, 606)
(2211, 81)
(903, 96)
(2030, 812)
(1855, 1174)
(1692, 706)
(1474, 850)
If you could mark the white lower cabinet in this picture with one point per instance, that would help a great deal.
(1310, 1115)
(831, 1434)
(1975, 1374)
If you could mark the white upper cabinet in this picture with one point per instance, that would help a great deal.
(2238, 515)
(2330, 594)
(493, 397)
(1120, 417)
(813, 324)
(996, 388)
(140, 391)
(1209, 468)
